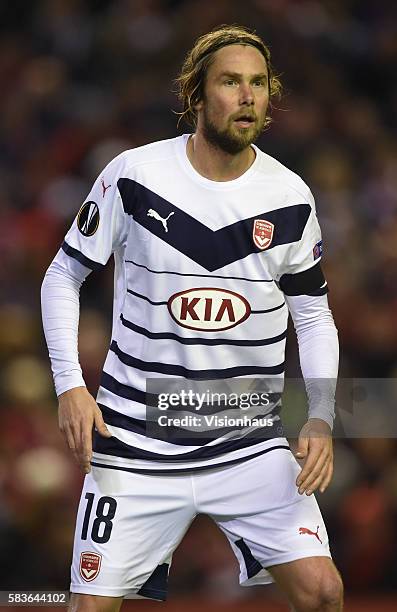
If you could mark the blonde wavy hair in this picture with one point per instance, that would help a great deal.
(190, 82)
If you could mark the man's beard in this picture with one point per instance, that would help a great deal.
(230, 140)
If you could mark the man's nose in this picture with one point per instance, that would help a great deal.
(246, 94)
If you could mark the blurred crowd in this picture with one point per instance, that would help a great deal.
(83, 80)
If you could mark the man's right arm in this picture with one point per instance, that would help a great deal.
(99, 229)
(78, 411)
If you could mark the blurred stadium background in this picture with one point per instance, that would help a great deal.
(82, 80)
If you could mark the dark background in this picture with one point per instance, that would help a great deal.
(83, 80)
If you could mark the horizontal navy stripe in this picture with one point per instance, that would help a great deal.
(111, 417)
(118, 388)
(268, 309)
(115, 447)
(249, 280)
(143, 297)
(72, 252)
(200, 341)
(199, 468)
(179, 435)
(178, 370)
(151, 399)
(183, 437)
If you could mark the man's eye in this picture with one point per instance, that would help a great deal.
(230, 82)
(259, 83)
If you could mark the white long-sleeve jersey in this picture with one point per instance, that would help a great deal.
(205, 275)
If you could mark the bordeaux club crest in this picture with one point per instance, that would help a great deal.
(262, 233)
(90, 564)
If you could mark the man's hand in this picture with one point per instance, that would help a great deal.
(315, 447)
(78, 413)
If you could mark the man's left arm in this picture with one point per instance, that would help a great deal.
(319, 355)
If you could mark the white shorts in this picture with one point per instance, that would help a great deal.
(129, 524)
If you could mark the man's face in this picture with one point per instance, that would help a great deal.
(232, 112)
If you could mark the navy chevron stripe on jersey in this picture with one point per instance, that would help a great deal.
(72, 252)
(200, 341)
(114, 446)
(177, 370)
(211, 249)
(198, 468)
(212, 276)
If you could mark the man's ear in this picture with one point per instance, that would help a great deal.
(199, 106)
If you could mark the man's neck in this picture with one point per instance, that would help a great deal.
(215, 164)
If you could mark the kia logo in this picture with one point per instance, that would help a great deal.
(208, 309)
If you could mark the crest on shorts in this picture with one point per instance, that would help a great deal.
(90, 564)
(262, 233)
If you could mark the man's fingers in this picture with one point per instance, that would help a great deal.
(71, 442)
(303, 445)
(78, 412)
(86, 449)
(79, 445)
(100, 425)
(313, 484)
(69, 437)
(323, 480)
(312, 469)
(310, 462)
(328, 476)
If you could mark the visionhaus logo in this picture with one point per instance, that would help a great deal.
(203, 422)
(205, 410)
(230, 417)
